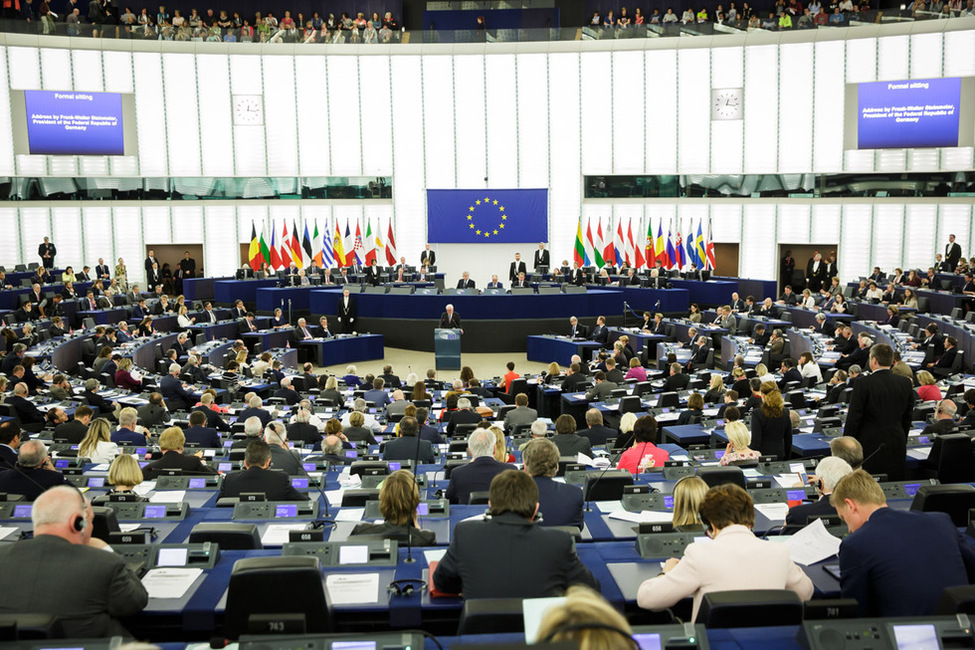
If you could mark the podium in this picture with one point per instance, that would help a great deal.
(446, 348)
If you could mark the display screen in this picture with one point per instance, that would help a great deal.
(423, 509)
(224, 467)
(61, 464)
(394, 467)
(286, 510)
(352, 453)
(155, 512)
(309, 467)
(353, 645)
(74, 123)
(916, 637)
(647, 641)
(96, 481)
(795, 495)
(22, 512)
(171, 557)
(353, 555)
(198, 483)
(910, 113)
(910, 489)
(299, 483)
(669, 501)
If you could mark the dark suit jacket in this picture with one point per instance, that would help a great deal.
(539, 562)
(600, 334)
(26, 411)
(153, 414)
(799, 515)
(302, 433)
(858, 357)
(291, 397)
(8, 456)
(379, 397)
(473, 477)
(214, 421)
(597, 435)
(470, 284)
(360, 434)
(772, 435)
(405, 448)
(260, 413)
(462, 416)
(428, 257)
(515, 268)
(126, 437)
(699, 356)
(431, 435)
(570, 444)
(947, 359)
(560, 504)
(676, 382)
(571, 381)
(793, 374)
(346, 313)
(453, 322)
(939, 427)
(29, 481)
(87, 588)
(276, 486)
(176, 397)
(176, 460)
(880, 417)
(542, 258)
(884, 571)
(285, 460)
(392, 531)
(203, 436)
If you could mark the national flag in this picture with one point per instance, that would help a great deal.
(650, 251)
(316, 247)
(275, 257)
(357, 246)
(306, 246)
(709, 249)
(691, 249)
(660, 248)
(254, 252)
(284, 254)
(639, 261)
(606, 243)
(390, 246)
(328, 253)
(370, 244)
(680, 259)
(670, 260)
(348, 245)
(338, 248)
(596, 245)
(377, 242)
(265, 254)
(579, 254)
(619, 245)
(296, 254)
(699, 252)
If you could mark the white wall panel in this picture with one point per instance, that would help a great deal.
(926, 55)
(66, 235)
(854, 253)
(182, 118)
(24, 69)
(861, 60)
(597, 115)
(314, 149)
(10, 251)
(921, 230)
(892, 58)
(533, 111)
(34, 227)
(828, 106)
(961, 45)
(825, 225)
(565, 146)
(796, 96)
(694, 100)
(216, 121)
(97, 232)
(119, 65)
(128, 243)
(376, 107)
(187, 224)
(661, 112)
(221, 252)
(629, 98)
(56, 70)
(279, 117)
(888, 236)
(150, 115)
(157, 226)
(793, 223)
(956, 220)
(409, 197)
(250, 148)
(726, 223)
(6, 144)
(758, 229)
(502, 125)
(727, 71)
(471, 120)
(252, 215)
(86, 66)
(438, 121)
(761, 109)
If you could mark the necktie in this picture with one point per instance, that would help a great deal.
(305, 330)
(92, 303)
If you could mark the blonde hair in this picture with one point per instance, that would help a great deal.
(859, 487)
(738, 434)
(500, 449)
(689, 492)
(125, 470)
(627, 422)
(772, 402)
(98, 431)
(124, 363)
(925, 378)
(717, 382)
(581, 606)
(761, 370)
(554, 369)
(172, 439)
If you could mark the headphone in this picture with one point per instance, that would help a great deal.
(80, 522)
(405, 587)
(587, 626)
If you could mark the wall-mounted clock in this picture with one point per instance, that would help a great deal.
(248, 110)
(727, 104)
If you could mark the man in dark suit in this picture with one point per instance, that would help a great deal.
(476, 475)
(287, 392)
(172, 389)
(247, 324)
(427, 432)
(521, 414)
(699, 353)
(75, 429)
(516, 267)
(428, 257)
(943, 364)
(520, 282)
(824, 326)
(30, 416)
(154, 413)
(374, 274)
(880, 415)
(677, 380)
(539, 562)
(198, 433)
(494, 284)
(576, 329)
(815, 272)
(449, 319)
(9, 443)
(880, 563)
(377, 395)
(560, 504)
(737, 304)
(254, 410)
(952, 253)
(465, 282)
(463, 415)
(47, 251)
(212, 418)
(346, 312)
(602, 390)
(150, 260)
(599, 333)
(577, 276)
(573, 378)
(34, 472)
(829, 471)
(256, 477)
(102, 271)
(409, 446)
(171, 442)
(944, 419)
(789, 373)
(126, 433)
(541, 256)
(858, 356)
(282, 456)
(193, 371)
(85, 587)
(567, 440)
(597, 434)
(391, 380)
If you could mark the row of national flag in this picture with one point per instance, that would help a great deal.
(616, 244)
(325, 246)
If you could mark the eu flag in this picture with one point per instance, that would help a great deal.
(487, 216)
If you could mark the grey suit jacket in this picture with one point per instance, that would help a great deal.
(521, 415)
(87, 588)
(601, 391)
(285, 460)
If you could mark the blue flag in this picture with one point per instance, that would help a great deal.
(488, 216)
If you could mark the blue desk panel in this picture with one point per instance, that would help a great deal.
(344, 349)
(712, 292)
(227, 291)
(270, 298)
(671, 300)
(200, 288)
(546, 349)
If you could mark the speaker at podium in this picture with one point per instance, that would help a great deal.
(446, 348)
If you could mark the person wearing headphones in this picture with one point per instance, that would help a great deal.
(399, 498)
(587, 619)
(282, 457)
(32, 474)
(828, 473)
(66, 572)
(734, 559)
(257, 477)
(944, 419)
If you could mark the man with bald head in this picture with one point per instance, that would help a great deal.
(33, 473)
(63, 571)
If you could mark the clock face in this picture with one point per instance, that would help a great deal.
(726, 104)
(248, 109)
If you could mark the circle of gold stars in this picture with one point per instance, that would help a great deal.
(490, 204)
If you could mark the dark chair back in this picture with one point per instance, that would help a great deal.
(955, 500)
(491, 616)
(715, 476)
(750, 608)
(229, 536)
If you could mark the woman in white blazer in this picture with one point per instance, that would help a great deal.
(97, 444)
(734, 559)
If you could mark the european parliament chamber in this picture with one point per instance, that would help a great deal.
(674, 311)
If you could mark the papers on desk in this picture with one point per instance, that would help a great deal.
(128, 528)
(608, 506)
(583, 459)
(920, 453)
(277, 534)
(170, 582)
(434, 555)
(533, 610)
(750, 472)
(353, 588)
(812, 544)
(350, 514)
(335, 497)
(102, 467)
(773, 511)
(6, 531)
(168, 496)
(786, 480)
(144, 488)
(643, 517)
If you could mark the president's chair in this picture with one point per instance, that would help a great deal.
(491, 616)
(266, 590)
(750, 608)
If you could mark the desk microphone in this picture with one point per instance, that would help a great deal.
(321, 491)
(872, 454)
(409, 530)
(592, 485)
